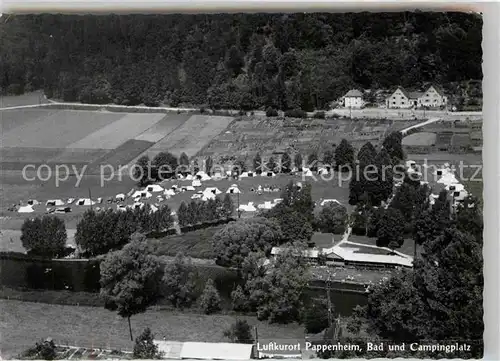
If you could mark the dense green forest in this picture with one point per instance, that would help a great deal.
(237, 61)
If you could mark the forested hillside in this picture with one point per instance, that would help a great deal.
(243, 61)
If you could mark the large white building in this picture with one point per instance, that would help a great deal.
(353, 99)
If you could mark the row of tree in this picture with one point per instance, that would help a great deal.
(235, 61)
(201, 212)
(100, 232)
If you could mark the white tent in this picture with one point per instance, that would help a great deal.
(137, 205)
(26, 209)
(188, 188)
(247, 207)
(278, 200)
(180, 176)
(266, 205)
(410, 163)
(326, 201)
(268, 174)
(207, 196)
(196, 183)
(69, 201)
(169, 192)
(455, 187)
(142, 194)
(189, 177)
(201, 175)
(54, 202)
(121, 207)
(322, 171)
(447, 179)
(196, 196)
(33, 202)
(213, 190)
(120, 197)
(217, 175)
(247, 174)
(153, 208)
(154, 188)
(85, 202)
(306, 172)
(233, 189)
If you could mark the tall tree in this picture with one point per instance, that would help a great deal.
(297, 161)
(238, 239)
(178, 282)
(344, 156)
(130, 280)
(391, 229)
(286, 163)
(257, 164)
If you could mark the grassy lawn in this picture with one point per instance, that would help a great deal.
(194, 244)
(324, 240)
(24, 323)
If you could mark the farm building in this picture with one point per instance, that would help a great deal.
(433, 97)
(353, 99)
(422, 142)
(402, 98)
(174, 350)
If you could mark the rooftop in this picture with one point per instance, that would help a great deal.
(353, 93)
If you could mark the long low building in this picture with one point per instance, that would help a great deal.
(174, 350)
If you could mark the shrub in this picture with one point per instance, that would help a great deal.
(319, 115)
(144, 347)
(295, 113)
(315, 317)
(202, 110)
(271, 112)
(210, 301)
(239, 332)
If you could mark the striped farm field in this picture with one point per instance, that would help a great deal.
(118, 132)
(120, 156)
(10, 119)
(76, 155)
(192, 136)
(164, 127)
(57, 130)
